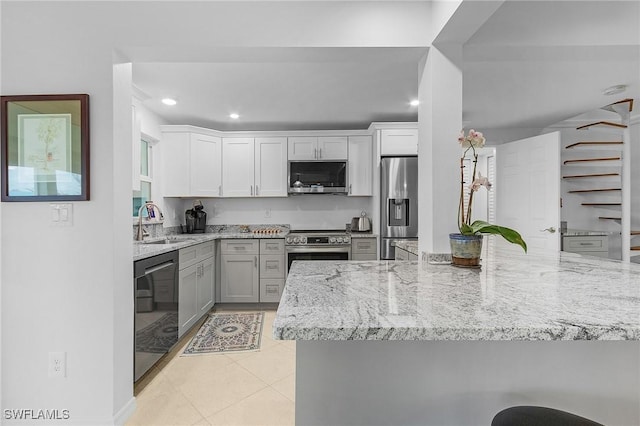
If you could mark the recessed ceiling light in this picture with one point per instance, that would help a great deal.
(234, 116)
(414, 102)
(614, 90)
(169, 101)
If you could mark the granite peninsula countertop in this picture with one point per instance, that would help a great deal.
(583, 232)
(178, 241)
(409, 245)
(514, 296)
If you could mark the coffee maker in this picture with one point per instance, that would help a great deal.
(196, 218)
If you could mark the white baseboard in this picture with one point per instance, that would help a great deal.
(125, 412)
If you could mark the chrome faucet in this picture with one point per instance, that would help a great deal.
(141, 232)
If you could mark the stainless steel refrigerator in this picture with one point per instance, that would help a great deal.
(398, 202)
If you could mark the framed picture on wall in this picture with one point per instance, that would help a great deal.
(45, 147)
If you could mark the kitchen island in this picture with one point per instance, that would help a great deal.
(414, 343)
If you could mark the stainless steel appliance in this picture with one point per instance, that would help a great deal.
(317, 245)
(318, 177)
(398, 202)
(156, 309)
(361, 223)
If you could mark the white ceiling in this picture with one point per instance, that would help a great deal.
(532, 64)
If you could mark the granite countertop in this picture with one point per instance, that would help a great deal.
(142, 250)
(409, 245)
(581, 233)
(514, 296)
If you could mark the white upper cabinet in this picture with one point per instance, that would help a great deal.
(318, 148)
(254, 167)
(360, 166)
(303, 147)
(270, 167)
(332, 148)
(192, 164)
(399, 141)
(206, 165)
(237, 168)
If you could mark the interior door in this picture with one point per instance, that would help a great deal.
(528, 189)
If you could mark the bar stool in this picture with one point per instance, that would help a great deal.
(539, 416)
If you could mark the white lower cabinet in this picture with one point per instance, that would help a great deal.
(364, 248)
(252, 270)
(590, 245)
(273, 269)
(239, 271)
(196, 280)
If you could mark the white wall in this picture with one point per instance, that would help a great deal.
(69, 289)
(301, 212)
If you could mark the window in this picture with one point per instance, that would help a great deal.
(144, 194)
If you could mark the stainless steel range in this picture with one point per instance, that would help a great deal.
(317, 245)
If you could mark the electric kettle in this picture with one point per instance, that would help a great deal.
(361, 223)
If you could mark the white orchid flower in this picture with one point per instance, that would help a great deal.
(480, 181)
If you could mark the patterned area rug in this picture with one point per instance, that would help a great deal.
(159, 336)
(228, 332)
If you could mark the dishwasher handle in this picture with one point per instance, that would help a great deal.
(158, 267)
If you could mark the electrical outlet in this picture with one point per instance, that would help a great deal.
(57, 364)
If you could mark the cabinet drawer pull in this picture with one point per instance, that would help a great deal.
(320, 153)
(220, 190)
(256, 190)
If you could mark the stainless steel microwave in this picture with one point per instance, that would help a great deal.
(318, 177)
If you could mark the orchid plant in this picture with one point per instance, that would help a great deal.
(469, 143)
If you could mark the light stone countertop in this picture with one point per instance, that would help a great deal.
(409, 245)
(514, 296)
(363, 235)
(581, 232)
(143, 251)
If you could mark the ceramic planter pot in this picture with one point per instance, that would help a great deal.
(465, 249)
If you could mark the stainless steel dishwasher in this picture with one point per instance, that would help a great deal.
(156, 309)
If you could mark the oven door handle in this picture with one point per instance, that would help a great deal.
(316, 249)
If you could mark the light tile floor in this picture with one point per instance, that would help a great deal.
(250, 388)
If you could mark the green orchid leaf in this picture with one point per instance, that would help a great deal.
(466, 229)
(482, 227)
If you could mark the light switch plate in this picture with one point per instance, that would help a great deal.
(61, 214)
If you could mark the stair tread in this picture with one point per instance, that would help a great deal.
(593, 143)
(586, 160)
(610, 106)
(580, 191)
(602, 123)
(591, 175)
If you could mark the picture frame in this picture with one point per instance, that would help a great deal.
(45, 147)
